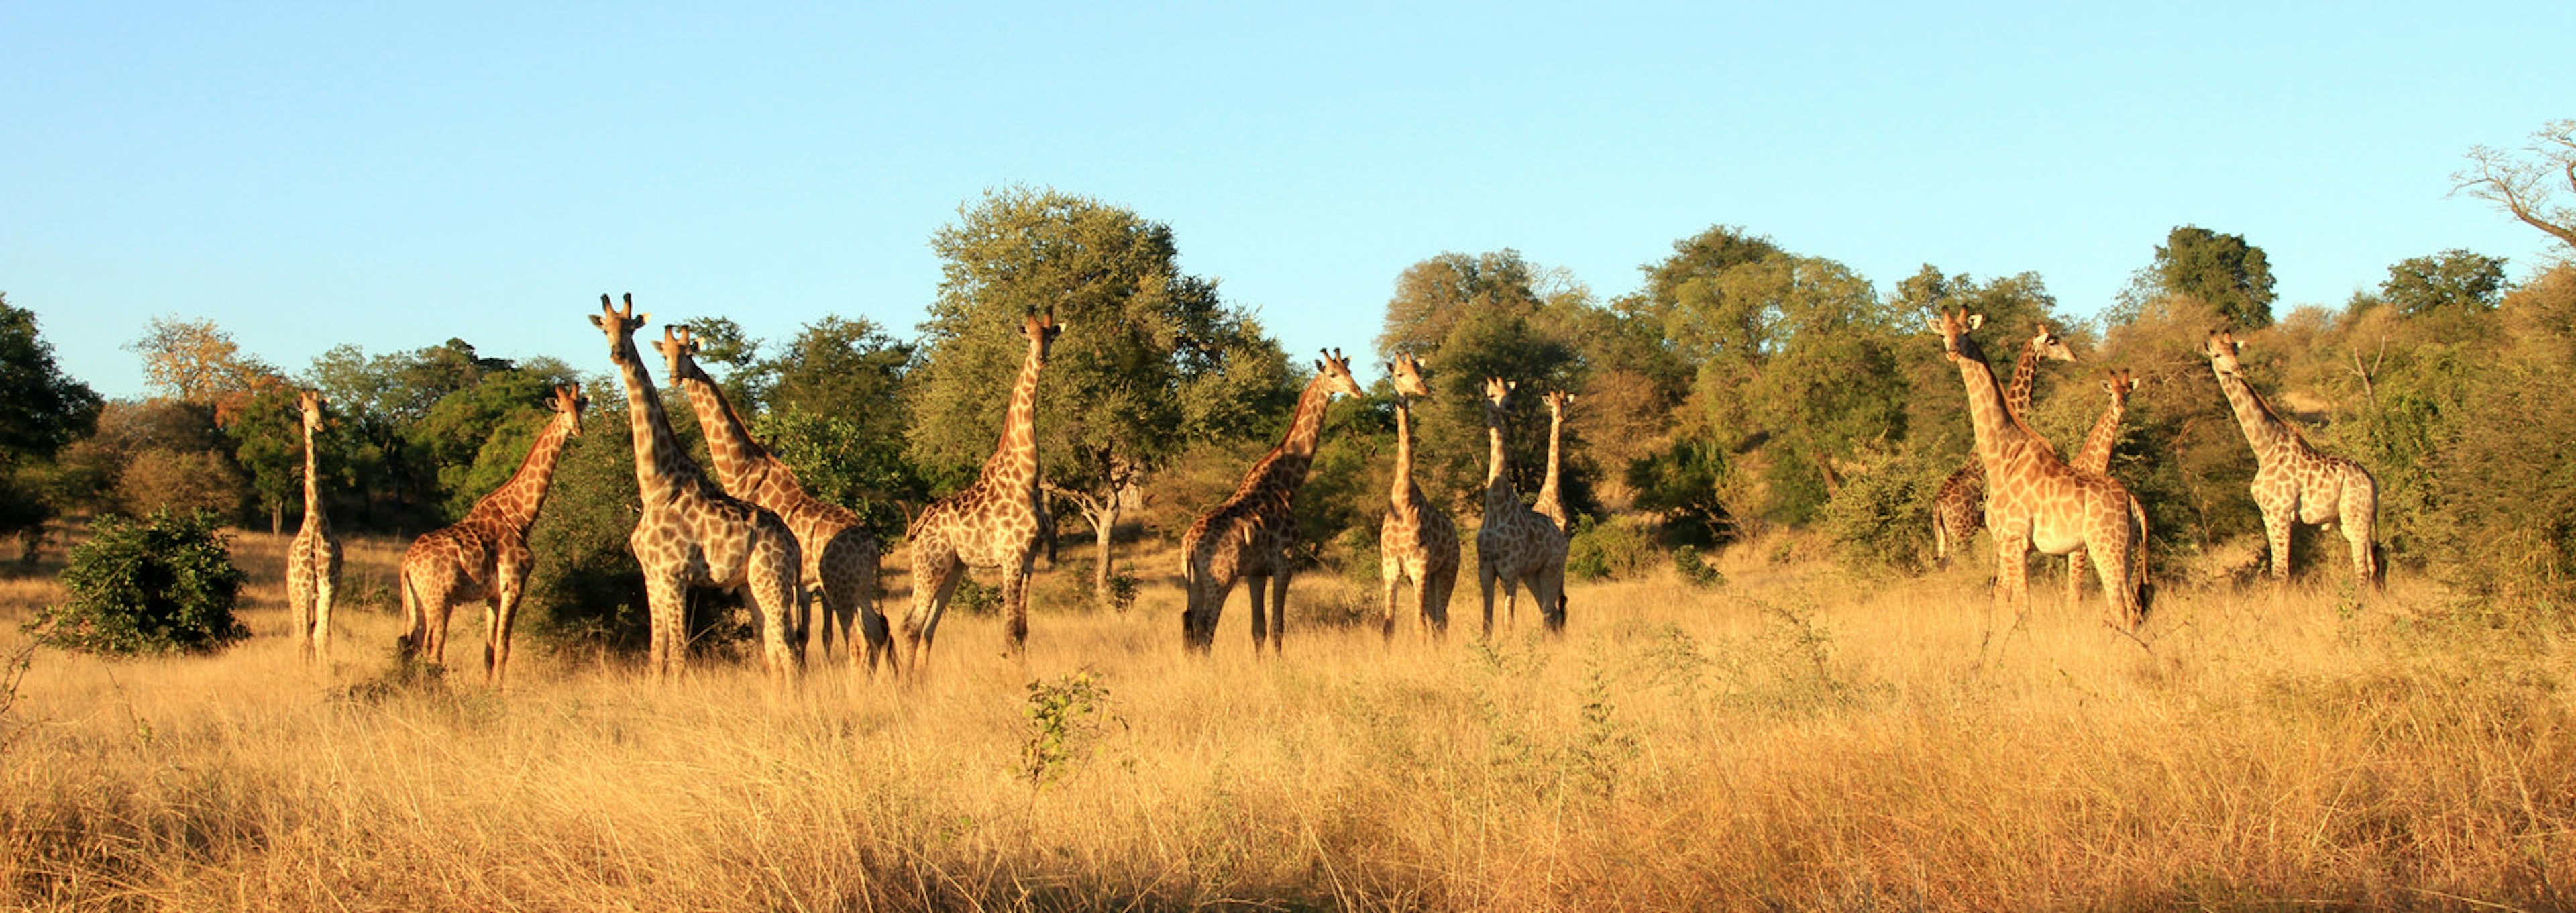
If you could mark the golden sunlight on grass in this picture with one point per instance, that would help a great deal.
(1792, 738)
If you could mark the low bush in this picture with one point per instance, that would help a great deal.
(164, 585)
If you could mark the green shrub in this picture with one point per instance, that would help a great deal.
(1882, 520)
(164, 585)
(1695, 571)
(1618, 549)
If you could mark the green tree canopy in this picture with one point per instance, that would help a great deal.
(2451, 280)
(41, 408)
(1142, 341)
(2232, 277)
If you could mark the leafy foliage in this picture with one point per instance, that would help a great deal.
(1063, 717)
(2231, 276)
(41, 410)
(164, 585)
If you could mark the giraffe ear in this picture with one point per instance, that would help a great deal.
(1974, 321)
(595, 321)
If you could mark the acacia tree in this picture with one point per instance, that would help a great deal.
(2455, 280)
(196, 361)
(2527, 187)
(1146, 362)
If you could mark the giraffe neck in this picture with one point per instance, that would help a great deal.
(2096, 457)
(1400, 495)
(729, 442)
(2025, 376)
(1997, 429)
(1014, 464)
(1498, 478)
(659, 461)
(515, 503)
(1308, 425)
(1555, 430)
(313, 518)
(2269, 436)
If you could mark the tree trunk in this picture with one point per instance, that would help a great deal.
(276, 517)
(1104, 525)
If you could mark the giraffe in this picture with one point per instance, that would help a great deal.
(1417, 540)
(690, 533)
(485, 556)
(1515, 545)
(1549, 505)
(2035, 499)
(2293, 481)
(2096, 458)
(1251, 537)
(1959, 509)
(313, 558)
(840, 570)
(992, 523)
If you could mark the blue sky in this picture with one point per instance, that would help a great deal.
(394, 176)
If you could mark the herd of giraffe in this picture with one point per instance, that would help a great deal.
(2028, 498)
(750, 527)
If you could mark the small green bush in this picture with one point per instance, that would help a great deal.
(164, 585)
(1694, 570)
(1618, 549)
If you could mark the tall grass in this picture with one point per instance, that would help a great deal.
(1789, 739)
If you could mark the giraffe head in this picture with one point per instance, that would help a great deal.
(309, 402)
(567, 404)
(619, 323)
(2048, 345)
(1557, 400)
(2119, 384)
(1041, 330)
(1498, 396)
(1334, 372)
(2221, 349)
(1954, 328)
(679, 347)
(1406, 374)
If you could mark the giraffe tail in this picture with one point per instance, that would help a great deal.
(2138, 563)
(410, 641)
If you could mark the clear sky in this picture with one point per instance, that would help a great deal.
(393, 176)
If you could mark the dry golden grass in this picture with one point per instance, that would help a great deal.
(1793, 739)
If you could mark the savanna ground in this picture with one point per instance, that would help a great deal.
(1793, 738)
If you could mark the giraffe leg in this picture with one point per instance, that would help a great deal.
(1015, 605)
(496, 667)
(2276, 531)
(934, 579)
(1485, 580)
(2119, 591)
(1550, 594)
(1387, 580)
(2357, 513)
(1434, 598)
(2075, 561)
(779, 596)
(873, 620)
(1279, 610)
(324, 586)
(1258, 588)
(2012, 567)
(666, 604)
